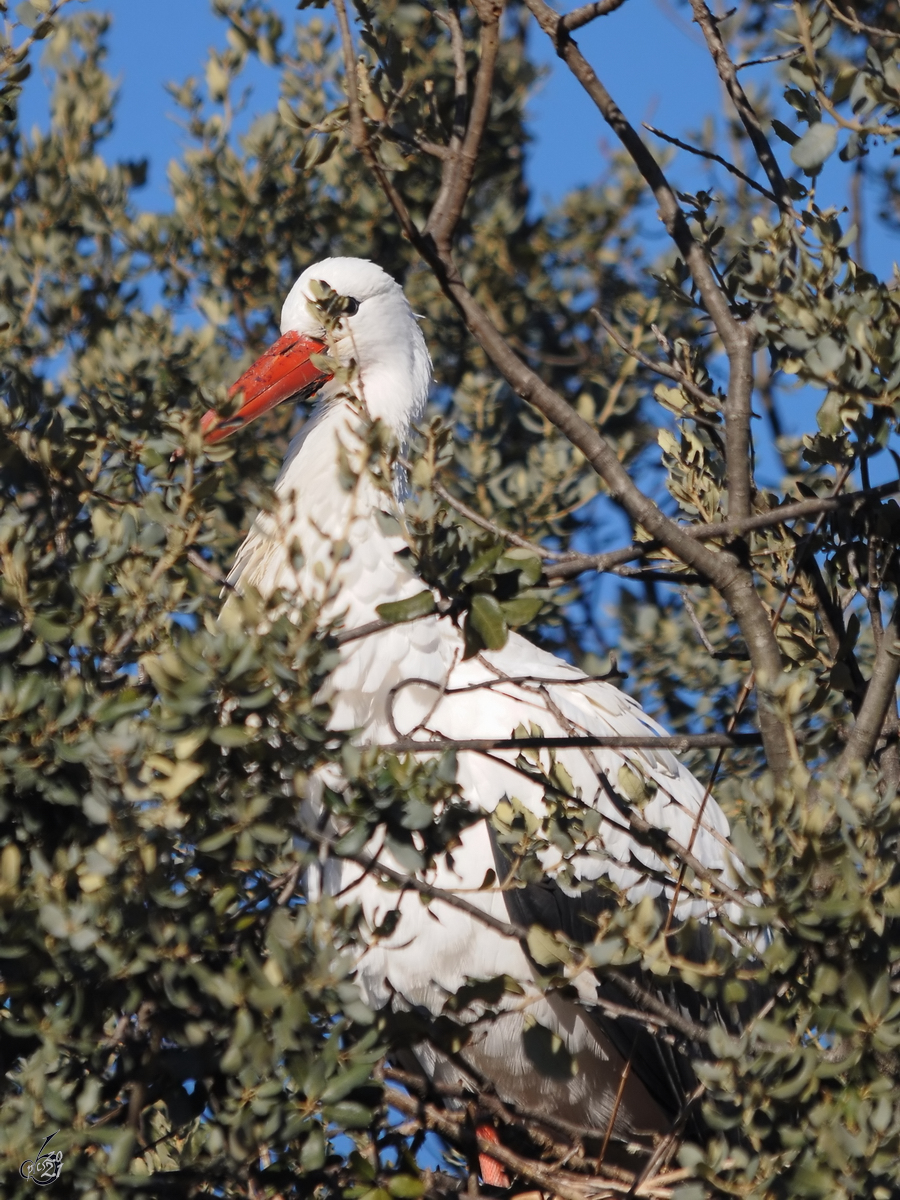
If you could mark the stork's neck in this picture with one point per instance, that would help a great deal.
(325, 477)
(332, 510)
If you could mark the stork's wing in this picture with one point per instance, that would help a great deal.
(521, 686)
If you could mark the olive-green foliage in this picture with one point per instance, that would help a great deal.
(170, 1000)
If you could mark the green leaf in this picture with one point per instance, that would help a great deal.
(217, 840)
(232, 736)
(312, 1153)
(525, 561)
(487, 618)
(483, 564)
(814, 147)
(406, 1187)
(547, 1051)
(10, 638)
(521, 609)
(341, 1085)
(50, 631)
(348, 1114)
(546, 948)
(396, 611)
(786, 134)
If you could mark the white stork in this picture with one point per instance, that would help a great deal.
(435, 950)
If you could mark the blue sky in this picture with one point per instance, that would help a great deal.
(152, 44)
(648, 54)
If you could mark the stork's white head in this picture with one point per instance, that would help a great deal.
(378, 331)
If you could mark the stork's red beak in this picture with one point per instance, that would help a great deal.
(283, 372)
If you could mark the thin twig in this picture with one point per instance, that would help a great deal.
(209, 570)
(491, 526)
(695, 621)
(666, 369)
(887, 131)
(459, 166)
(769, 58)
(857, 25)
(727, 73)
(674, 141)
(573, 564)
(548, 1176)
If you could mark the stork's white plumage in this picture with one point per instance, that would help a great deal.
(433, 952)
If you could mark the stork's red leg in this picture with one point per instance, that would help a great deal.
(492, 1172)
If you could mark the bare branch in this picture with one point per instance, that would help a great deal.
(459, 167)
(698, 627)
(574, 564)
(550, 1177)
(881, 694)
(857, 25)
(491, 526)
(769, 58)
(460, 77)
(571, 564)
(745, 110)
(728, 328)
(209, 570)
(678, 743)
(342, 636)
(652, 1003)
(708, 154)
(589, 12)
(735, 584)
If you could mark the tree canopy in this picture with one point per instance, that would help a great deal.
(174, 1010)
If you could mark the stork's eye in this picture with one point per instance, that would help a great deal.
(351, 306)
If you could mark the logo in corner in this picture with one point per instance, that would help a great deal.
(43, 1169)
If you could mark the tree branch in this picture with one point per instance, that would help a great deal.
(459, 167)
(572, 564)
(550, 1177)
(857, 26)
(728, 74)
(735, 584)
(678, 743)
(358, 134)
(881, 693)
(590, 12)
(728, 328)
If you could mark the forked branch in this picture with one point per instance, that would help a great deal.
(721, 567)
(728, 74)
(459, 166)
